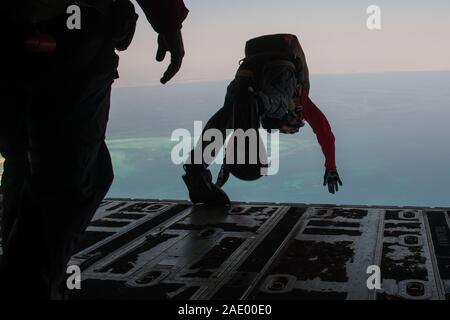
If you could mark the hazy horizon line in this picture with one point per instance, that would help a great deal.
(154, 84)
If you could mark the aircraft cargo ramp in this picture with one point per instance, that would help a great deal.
(153, 249)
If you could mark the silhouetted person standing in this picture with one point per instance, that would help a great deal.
(53, 120)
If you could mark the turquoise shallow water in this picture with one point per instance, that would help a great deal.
(391, 138)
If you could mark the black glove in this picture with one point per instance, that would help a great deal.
(331, 178)
(173, 43)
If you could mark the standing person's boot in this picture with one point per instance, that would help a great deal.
(198, 180)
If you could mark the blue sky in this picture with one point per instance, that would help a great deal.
(414, 36)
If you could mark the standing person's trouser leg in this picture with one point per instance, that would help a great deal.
(13, 178)
(69, 173)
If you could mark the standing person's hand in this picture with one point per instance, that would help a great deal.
(331, 178)
(172, 43)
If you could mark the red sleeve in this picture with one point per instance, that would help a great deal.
(164, 15)
(321, 128)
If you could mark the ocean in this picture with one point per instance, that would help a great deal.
(392, 141)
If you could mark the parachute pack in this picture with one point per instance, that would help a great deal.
(262, 55)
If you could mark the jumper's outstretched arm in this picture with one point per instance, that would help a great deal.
(322, 129)
(325, 137)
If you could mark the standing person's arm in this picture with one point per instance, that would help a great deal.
(166, 18)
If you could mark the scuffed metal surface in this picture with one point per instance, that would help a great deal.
(151, 249)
